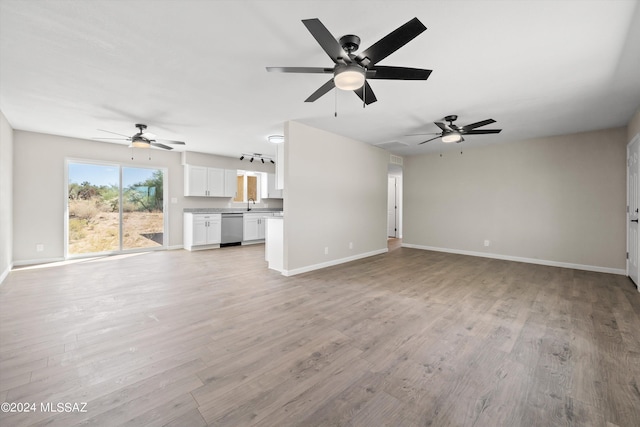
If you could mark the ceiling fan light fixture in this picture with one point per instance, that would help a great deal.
(349, 77)
(452, 137)
(140, 143)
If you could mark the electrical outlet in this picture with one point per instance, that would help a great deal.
(39, 247)
(326, 250)
(174, 200)
(350, 245)
(487, 242)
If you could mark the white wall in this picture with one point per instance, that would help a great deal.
(633, 128)
(335, 193)
(6, 197)
(559, 200)
(39, 199)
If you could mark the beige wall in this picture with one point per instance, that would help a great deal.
(633, 128)
(559, 199)
(6, 197)
(335, 193)
(39, 199)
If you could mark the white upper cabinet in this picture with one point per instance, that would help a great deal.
(209, 182)
(230, 183)
(195, 181)
(272, 192)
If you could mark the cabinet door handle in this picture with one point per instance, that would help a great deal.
(634, 220)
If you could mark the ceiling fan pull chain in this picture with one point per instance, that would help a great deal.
(364, 90)
(335, 113)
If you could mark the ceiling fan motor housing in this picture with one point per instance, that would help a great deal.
(350, 43)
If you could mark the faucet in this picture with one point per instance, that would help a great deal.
(250, 199)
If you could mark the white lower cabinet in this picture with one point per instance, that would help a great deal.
(254, 225)
(202, 231)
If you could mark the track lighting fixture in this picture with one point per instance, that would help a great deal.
(256, 156)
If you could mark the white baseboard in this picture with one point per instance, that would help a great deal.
(36, 261)
(549, 263)
(174, 247)
(5, 273)
(332, 262)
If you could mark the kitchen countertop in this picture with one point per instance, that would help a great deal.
(230, 210)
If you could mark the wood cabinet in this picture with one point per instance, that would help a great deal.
(209, 182)
(202, 231)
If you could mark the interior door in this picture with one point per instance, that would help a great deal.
(633, 188)
(392, 208)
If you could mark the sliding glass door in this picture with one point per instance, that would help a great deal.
(142, 208)
(113, 208)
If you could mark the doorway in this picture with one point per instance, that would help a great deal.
(394, 201)
(392, 208)
(633, 194)
(113, 208)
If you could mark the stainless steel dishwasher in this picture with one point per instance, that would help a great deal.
(231, 229)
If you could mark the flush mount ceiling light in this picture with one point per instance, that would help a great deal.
(452, 137)
(275, 139)
(349, 77)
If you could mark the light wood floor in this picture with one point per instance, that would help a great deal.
(408, 338)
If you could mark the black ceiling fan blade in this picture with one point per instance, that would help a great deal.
(428, 140)
(481, 131)
(321, 91)
(442, 126)
(391, 42)
(422, 134)
(326, 40)
(115, 133)
(168, 141)
(399, 73)
(478, 124)
(366, 93)
(157, 144)
(307, 70)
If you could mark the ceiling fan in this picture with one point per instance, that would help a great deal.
(351, 71)
(453, 133)
(143, 139)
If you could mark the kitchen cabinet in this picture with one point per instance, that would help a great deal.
(230, 183)
(272, 191)
(209, 182)
(254, 225)
(202, 231)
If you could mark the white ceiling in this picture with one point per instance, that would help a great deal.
(195, 70)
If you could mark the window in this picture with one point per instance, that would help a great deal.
(249, 186)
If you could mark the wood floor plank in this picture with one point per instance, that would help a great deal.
(408, 337)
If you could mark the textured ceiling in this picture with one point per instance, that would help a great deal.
(195, 70)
